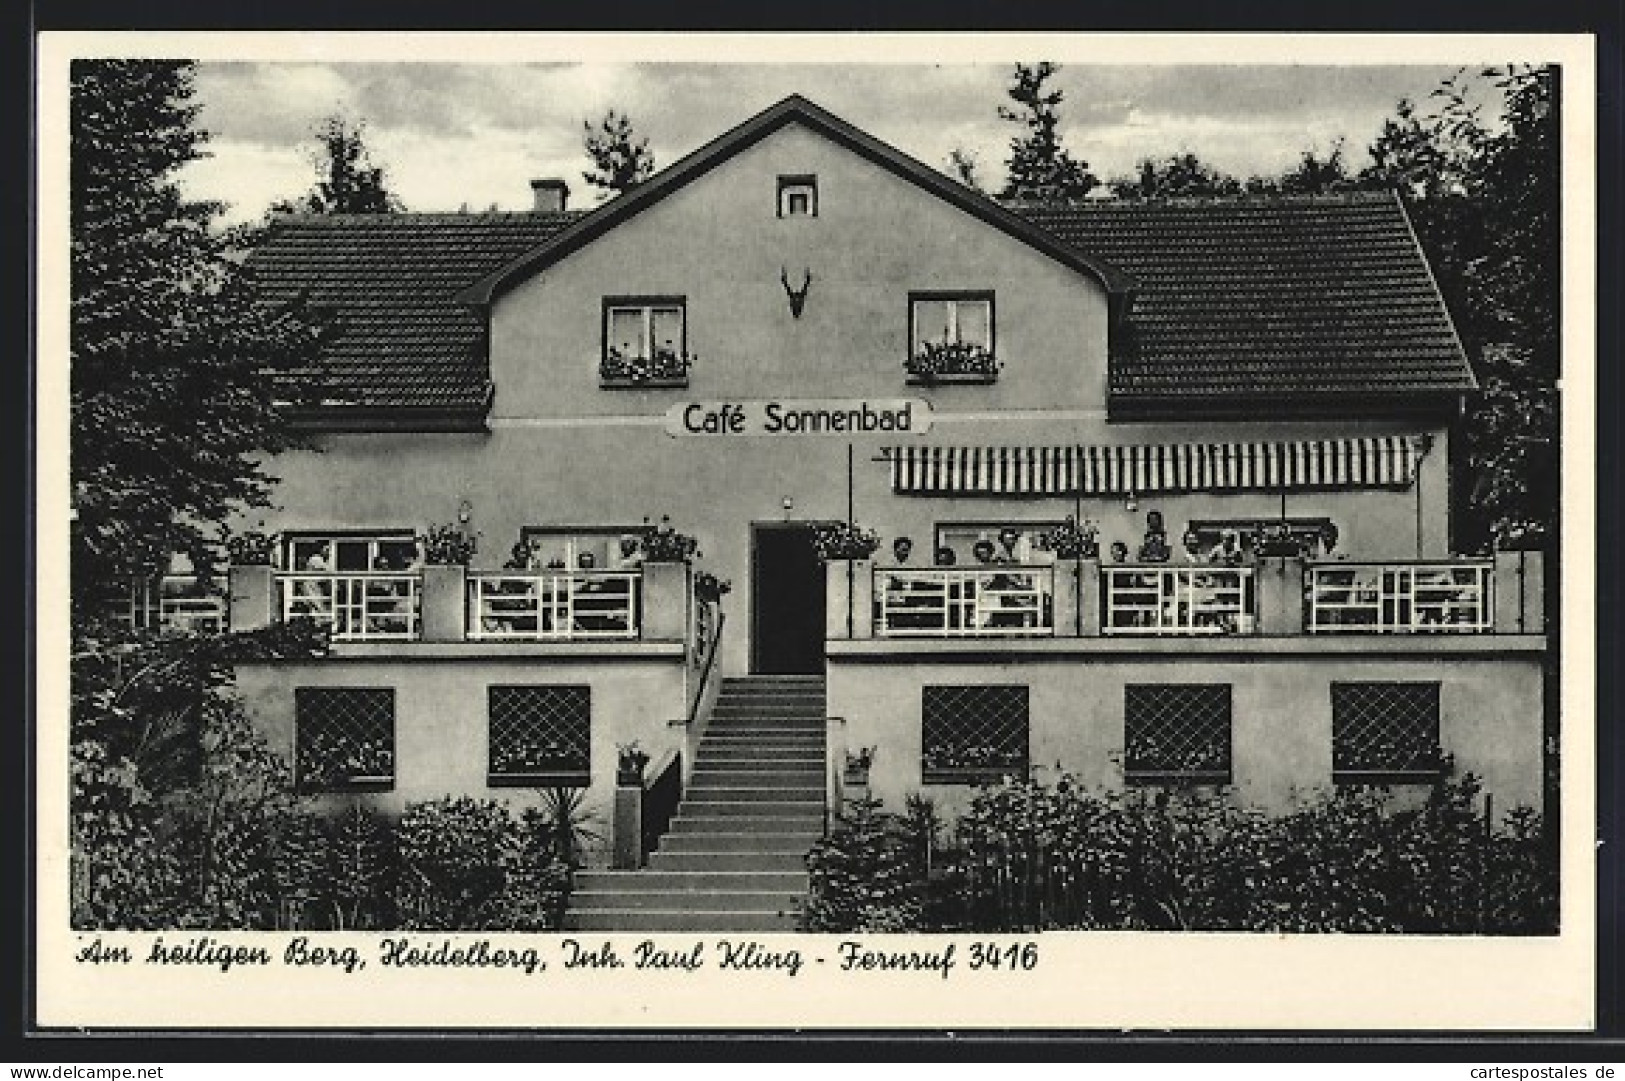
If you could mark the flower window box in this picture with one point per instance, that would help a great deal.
(951, 362)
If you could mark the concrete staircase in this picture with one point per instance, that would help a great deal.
(735, 857)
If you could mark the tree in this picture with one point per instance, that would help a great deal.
(1040, 168)
(347, 181)
(1313, 175)
(1177, 175)
(964, 167)
(1484, 198)
(178, 371)
(621, 161)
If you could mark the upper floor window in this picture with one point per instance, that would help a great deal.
(798, 196)
(951, 338)
(645, 341)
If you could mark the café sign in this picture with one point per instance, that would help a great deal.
(799, 417)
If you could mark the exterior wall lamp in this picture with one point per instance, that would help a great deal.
(465, 511)
(1131, 504)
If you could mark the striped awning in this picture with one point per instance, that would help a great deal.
(1373, 462)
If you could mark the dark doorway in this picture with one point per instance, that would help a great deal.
(787, 600)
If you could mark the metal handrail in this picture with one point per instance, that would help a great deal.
(1004, 601)
(359, 606)
(705, 670)
(1400, 597)
(554, 605)
(1162, 600)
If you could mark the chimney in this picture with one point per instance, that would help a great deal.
(550, 194)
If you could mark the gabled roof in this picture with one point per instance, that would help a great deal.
(1296, 299)
(404, 342)
(793, 109)
(1309, 303)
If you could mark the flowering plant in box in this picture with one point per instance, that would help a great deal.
(664, 544)
(449, 546)
(250, 549)
(708, 587)
(664, 365)
(844, 540)
(856, 768)
(630, 760)
(1069, 540)
(935, 359)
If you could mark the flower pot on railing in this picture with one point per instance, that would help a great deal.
(665, 601)
(630, 761)
(855, 768)
(253, 596)
(1278, 601)
(442, 603)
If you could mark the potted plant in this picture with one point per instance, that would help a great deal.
(1069, 540)
(666, 367)
(251, 590)
(664, 544)
(844, 540)
(630, 760)
(855, 770)
(250, 548)
(709, 588)
(448, 546)
(936, 362)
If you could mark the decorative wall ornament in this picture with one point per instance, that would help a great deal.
(798, 297)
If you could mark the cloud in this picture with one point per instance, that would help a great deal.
(455, 133)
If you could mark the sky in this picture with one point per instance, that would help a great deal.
(454, 135)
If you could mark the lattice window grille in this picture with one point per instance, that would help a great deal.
(973, 733)
(1177, 732)
(541, 733)
(345, 738)
(1385, 732)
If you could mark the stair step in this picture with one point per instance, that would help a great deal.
(776, 843)
(735, 733)
(718, 901)
(728, 861)
(634, 920)
(682, 881)
(692, 821)
(795, 777)
(807, 791)
(730, 752)
(720, 805)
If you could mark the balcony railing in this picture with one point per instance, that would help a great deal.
(173, 602)
(547, 606)
(359, 607)
(1178, 600)
(994, 602)
(1400, 598)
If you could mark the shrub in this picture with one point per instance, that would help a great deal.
(865, 876)
(469, 865)
(1026, 856)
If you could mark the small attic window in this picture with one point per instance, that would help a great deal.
(798, 196)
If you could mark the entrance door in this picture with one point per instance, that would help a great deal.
(787, 600)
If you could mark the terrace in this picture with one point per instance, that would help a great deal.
(1272, 597)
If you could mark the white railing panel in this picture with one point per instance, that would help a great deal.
(547, 606)
(972, 602)
(1177, 600)
(1401, 598)
(358, 607)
